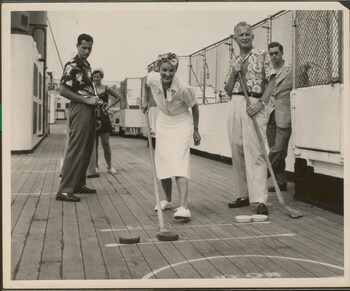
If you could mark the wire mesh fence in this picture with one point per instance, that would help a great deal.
(318, 47)
(318, 52)
(217, 57)
(261, 35)
(222, 68)
(282, 32)
(209, 69)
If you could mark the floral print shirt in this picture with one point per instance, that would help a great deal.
(257, 69)
(77, 76)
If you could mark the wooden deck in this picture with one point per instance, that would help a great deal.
(53, 240)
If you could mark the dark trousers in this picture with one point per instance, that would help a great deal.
(79, 149)
(278, 140)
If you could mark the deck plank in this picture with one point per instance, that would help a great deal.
(156, 260)
(204, 267)
(269, 246)
(94, 264)
(224, 265)
(16, 209)
(54, 240)
(114, 261)
(306, 251)
(232, 248)
(20, 233)
(29, 266)
(174, 256)
(291, 250)
(72, 257)
(52, 251)
(315, 240)
(138, 267)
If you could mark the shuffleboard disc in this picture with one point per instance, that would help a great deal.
(259, 217)
(167, 235)
(243, 218)
(129, 239)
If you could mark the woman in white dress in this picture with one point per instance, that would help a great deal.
(175, 126)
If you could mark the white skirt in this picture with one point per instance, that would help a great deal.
(173, 140)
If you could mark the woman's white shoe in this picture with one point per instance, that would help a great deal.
(182, 212)
(112, 171)
(164, 204)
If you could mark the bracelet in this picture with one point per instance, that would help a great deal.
(196, 128)
(264, 103)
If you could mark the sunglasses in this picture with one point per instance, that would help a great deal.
(274, 53)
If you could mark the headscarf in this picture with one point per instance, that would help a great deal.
(169, 57)
(98, 70)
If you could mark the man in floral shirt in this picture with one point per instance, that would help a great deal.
(76, 85)
(249, 165)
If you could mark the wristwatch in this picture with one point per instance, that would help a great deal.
(264, 103)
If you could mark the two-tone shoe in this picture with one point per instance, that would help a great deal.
(262, 209)
(67, 197)
(240, 202)
(84, 190)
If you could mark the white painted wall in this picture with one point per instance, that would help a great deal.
(213, 129)
(23, 55)
(317, 118)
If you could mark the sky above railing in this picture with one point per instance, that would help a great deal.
(127, 40)
(129, 36)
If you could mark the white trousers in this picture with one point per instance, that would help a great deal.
(248, 162)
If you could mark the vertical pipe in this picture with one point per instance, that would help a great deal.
(292, 95)
(189, 70)
(269, 30)
(46, 128)
(294, 54)
(143, 81)
(231, 47)
(204, 73)
(216, 72)
(340, 45)
(329, 34)
(42, 27)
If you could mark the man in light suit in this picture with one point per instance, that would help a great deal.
(279, 126)
(248, 162)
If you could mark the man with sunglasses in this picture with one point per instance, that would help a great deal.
(248, 161)
(279, 126)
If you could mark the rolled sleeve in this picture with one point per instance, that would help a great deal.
(189, 96)
(152, 78)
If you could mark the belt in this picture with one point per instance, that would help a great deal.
(251, 94)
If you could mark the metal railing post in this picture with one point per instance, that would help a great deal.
(204, 73)
(294, 55)
(189, 71)
(269, 39)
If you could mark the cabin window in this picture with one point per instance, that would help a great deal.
(39, 119)
(35, 116)
(40, 84)
(35, 81)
